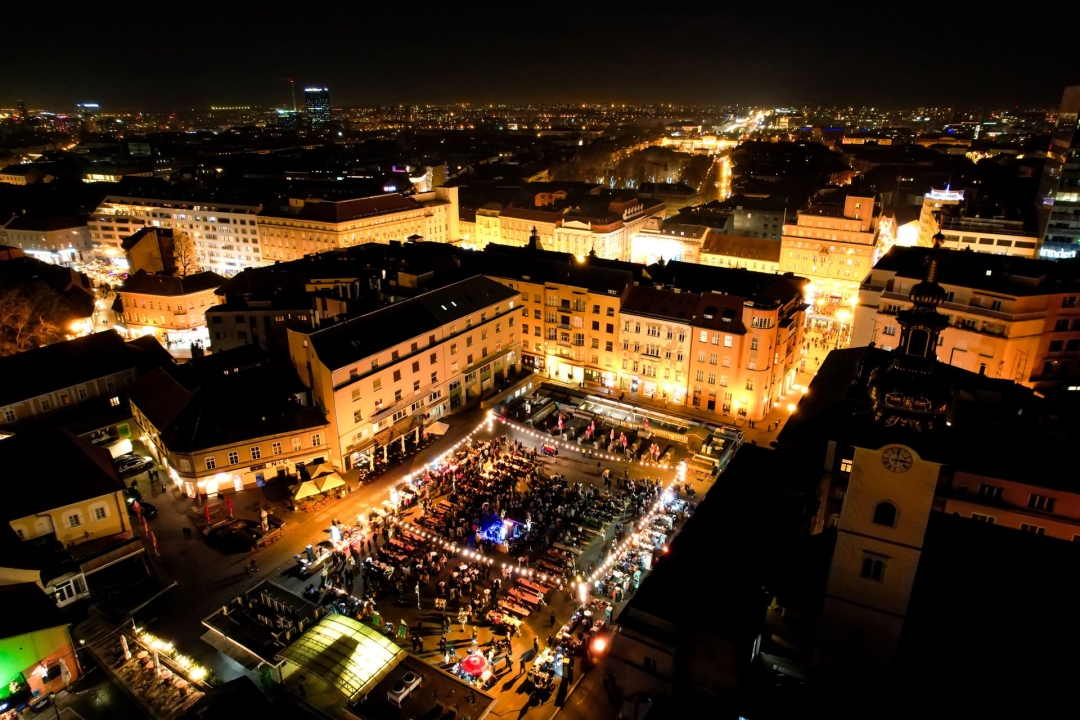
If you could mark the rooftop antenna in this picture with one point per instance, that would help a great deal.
(292, 88)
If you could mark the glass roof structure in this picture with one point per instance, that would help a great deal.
(346, 654)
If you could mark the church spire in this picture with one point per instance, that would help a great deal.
(911, 391)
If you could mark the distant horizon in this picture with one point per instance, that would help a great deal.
(237, 106)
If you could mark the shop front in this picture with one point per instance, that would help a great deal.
(533, 362)
(246, 478)
(597, 377)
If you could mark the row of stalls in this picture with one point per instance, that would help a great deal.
(624, 575)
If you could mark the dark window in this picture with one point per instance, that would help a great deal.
(885, 514)
(872, 569)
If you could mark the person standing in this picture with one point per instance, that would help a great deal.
(552, 618)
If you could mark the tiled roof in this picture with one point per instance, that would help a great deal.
(222, 409)
(77, 471)
(340, 211)
(665, 304)
(740, 246)
(61, 365)
(1015, 276)
(144, 283)
(362, 337)
(46, 224)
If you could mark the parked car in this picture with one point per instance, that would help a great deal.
(149, 511)
(133, 464)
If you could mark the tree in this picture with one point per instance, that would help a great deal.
(31, 315)
(185, 254)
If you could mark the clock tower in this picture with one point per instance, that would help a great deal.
(892, 479)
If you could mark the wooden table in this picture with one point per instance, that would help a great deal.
(568, 548)
(526, 597)
(529, 584)
(511, 607)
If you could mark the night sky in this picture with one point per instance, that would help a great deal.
(159, 56)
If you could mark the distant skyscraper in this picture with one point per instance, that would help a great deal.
(1059, 192)
(288, 120)
(23, 114)
(317, 106)
(87, 114)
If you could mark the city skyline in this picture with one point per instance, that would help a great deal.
(472, 53)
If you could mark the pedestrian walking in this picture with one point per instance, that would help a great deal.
(536, 645)
(552, 618)
(187, 533)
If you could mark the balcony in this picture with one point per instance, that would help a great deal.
(970, 309)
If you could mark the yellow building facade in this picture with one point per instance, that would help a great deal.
(75, 523)
(832, 246)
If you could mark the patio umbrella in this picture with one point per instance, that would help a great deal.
(329, 482)
(124, 647)
(474, 664)
(207, 510)
(305, 489)
(153, 541)
(228, 502)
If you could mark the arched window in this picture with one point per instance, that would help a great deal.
(872, 569)
(885, 514)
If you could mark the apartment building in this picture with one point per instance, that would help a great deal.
(746, 330)
(833, 246)
(569, 311)
(59, 240)
(311, 225)
(172, 309)
(935, 203)
(229, 432)
(74, 511)
(988, 235)
(1035, 502)
(737, 251)
(388, 372)
(654, 341)
(1012, 318)
(226, 236)
(94, 369)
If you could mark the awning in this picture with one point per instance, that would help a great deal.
(317, 470)
(346, 654)
(437, 428)
(329, 482)
(305, 489)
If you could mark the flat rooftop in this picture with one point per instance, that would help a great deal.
(439, 695)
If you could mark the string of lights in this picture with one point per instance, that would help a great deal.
(516, 568)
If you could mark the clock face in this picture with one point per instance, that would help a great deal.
(896, 459)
